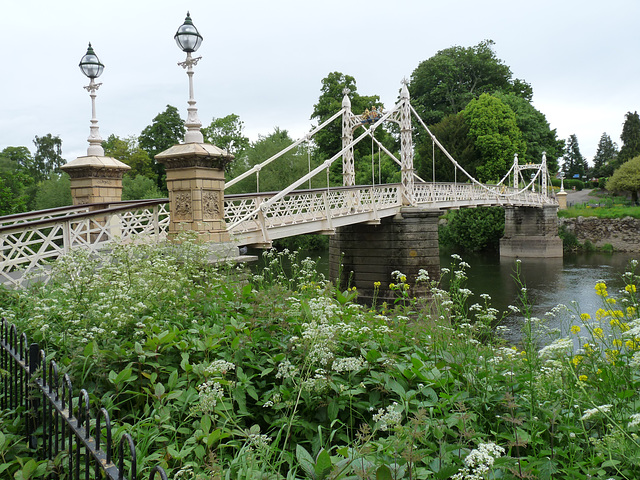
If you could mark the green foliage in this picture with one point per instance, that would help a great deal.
(492, 126)
(166, 131)
(128, 151)
(630, 138)
(573, 161)
(626, 178)
(536, 132)
(278, 375)
(54, 192)
(445, 83)
(140, 188)
(48, 157)
(329, 140)
(16, 185)
(473, 229)
(279, 174)
(453, 133)
(605, 158)
(226, 133)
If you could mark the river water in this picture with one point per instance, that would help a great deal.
(549, 281)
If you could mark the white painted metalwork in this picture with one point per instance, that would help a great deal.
(27, 247)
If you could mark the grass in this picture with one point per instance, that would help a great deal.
(217, 373)
(600, 212)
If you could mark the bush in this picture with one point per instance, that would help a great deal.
(473, 229)
(217, 373)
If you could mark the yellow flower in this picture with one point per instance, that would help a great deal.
(377, 284)
(598, 332)
(576, 360)
(601, 289)
(631, 311)
(392, 286)
(617, 342)
(585, 316)
(601, 313)
(587, 348)
(406, 286)
(403, 278)
(617, 314)
(611, 301)
(575, 329)
(583, 378)
(630, 288)
(630, 344)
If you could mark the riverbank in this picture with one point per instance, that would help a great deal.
(616, 234)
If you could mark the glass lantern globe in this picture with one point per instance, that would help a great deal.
(187, 37)
(90, 65)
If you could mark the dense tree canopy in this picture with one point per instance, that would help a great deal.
(48, 157)
(329, 139)
(538, 136)
(492, 125)
(574, 164)
(630, 138)
(227, 133)
(445, 83)
(605, 157)
(626, 179)
(166, 131)
(128, 151)
(279, 174)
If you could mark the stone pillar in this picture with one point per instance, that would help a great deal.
(95, 179)
(531, 232)
(195, 179)
(562, 200)
(406, 242)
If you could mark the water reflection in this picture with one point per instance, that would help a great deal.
(549, 281)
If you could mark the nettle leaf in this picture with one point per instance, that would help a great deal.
(306, 461)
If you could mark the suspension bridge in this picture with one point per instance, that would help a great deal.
(195, 175)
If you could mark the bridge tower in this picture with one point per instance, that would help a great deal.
(406, 145)
(348, 125)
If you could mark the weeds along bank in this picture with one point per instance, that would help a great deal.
(223, 374)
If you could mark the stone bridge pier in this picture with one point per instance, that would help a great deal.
(361, 255)
(531, 232)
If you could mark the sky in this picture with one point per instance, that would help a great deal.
(265, 61)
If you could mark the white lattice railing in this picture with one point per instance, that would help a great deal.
(27, 246)
(307, 211)
(448, 195)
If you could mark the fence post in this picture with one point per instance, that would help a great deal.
(34, 402)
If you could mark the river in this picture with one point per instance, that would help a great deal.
(549, 281)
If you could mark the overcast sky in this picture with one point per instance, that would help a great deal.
(264, 60)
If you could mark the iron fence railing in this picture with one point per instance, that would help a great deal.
(56, 423)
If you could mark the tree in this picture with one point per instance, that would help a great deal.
(453, 133)
(574, 164)
(329, 139)
(279, 174)
(226, 133)
(492, 125)
(128, 151)
(48, 157)
(605, 157)
(17, 187)
(536, 132)
(630, 138)
(474, 230)
(54, 192)
(626, 178)
(445, 83)
(139, 188)
(166, 131)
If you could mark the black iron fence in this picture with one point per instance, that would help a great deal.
(56, 424)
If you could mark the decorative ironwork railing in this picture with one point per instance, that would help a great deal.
(30, 245)
(319, 209)
(447, 195)
(55, 424)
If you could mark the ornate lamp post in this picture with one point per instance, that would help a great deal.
(189, 40)
(92, 68)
